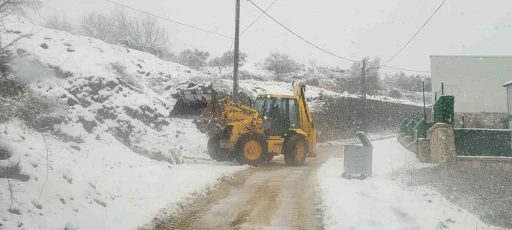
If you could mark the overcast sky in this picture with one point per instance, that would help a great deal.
(349, 28)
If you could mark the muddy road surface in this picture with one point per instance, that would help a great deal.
(271, 197)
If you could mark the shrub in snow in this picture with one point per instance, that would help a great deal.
(40, 112)
(12, 170)
(158, 156)
(394, 94)
(4, 151)
(57, 23)
(313, 82)
(20, 101)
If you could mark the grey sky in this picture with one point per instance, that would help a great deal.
(349, 28)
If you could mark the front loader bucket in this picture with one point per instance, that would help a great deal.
(192, 100)
(200, 103)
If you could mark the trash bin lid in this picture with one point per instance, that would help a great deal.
(364, 139)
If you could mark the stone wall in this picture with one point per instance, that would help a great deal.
(342, 117)
(442, 144)
(482, 120)
(424, 150)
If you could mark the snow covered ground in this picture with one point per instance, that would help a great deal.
(126, 91)
(99, 184)
(112, 117)
(380, 202)
(355, 140)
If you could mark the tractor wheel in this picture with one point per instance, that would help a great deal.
(214, 149)
(251, 149)
(294, 150)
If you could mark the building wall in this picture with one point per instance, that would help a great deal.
(479, 80)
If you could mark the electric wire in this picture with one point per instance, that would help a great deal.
(324, 50)
(170, 20)
(417, 32)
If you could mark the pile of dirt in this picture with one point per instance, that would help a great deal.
(482, 192)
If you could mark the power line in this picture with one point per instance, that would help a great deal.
(410, 70)
(166, 19)
(258, 17)
(439, 7)
(303, 39)
(325, 51)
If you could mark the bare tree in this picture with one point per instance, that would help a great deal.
(145, 35)
(123, 24)
(98, 25)
(120, 28)
(15, 7)
(58, 23)
(20, 7)
(153, 35)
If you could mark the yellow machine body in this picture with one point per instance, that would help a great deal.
(276, 124)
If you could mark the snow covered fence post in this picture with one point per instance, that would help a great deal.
(442, 144)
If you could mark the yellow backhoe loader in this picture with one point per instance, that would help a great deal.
(276, 124)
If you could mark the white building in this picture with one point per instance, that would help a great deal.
(475, 80)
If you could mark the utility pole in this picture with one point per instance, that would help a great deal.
(363, 91)
(237, 47)
(424, 106)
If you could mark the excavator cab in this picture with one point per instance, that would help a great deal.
(279, 114)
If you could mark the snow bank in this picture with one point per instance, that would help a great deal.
(380, 203)
(99, 184)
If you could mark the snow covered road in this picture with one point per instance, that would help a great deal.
(380, 202)
(270, 197)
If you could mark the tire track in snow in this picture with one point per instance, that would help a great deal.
(270, 197)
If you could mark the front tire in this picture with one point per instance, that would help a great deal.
(251, 149)
(295, 150)
(214, 149)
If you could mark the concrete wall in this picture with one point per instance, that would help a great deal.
(479, 78)
(497, 164)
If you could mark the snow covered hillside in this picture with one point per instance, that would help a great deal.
(313, 93)
(379, 202)
(107, 88)
(106, 156)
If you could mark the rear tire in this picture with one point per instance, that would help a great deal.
(214, 149)
(294, 150)
(251, 149)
